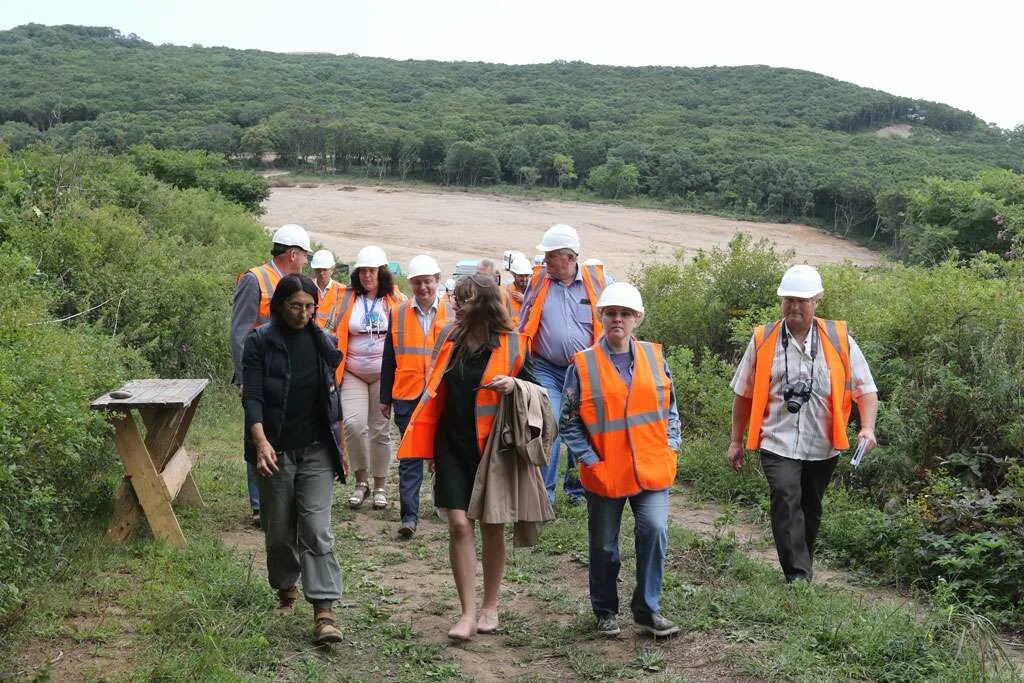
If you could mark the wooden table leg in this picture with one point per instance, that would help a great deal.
(147, 483)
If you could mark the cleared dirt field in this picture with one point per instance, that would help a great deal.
(452, 226)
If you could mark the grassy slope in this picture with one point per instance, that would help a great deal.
(144, 611)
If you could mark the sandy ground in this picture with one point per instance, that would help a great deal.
(455, 225)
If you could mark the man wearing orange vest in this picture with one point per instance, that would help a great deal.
(794, 389)
(619, 420)
(251, 308)
(414, 328)
(516, 290)
(560, 317)
(330, 290)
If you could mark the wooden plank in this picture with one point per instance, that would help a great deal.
(161, 431)
(174, 474)
(126, 515)
(153, 392)
(149, 487)
(189, 494)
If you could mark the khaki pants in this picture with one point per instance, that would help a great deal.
(367, 432)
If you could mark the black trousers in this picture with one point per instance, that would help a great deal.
(797, 487)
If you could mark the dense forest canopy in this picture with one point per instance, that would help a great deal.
(750, 140)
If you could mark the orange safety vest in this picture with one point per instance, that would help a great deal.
(344, 316)
(328, 308)
(267, 276)
(511, 305)
(627, 426)
(835, 342)
(507, 359)
(412, 348)
(537, 292)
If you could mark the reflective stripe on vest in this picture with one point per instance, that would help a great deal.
(506, 359)
(267, 277)
(413, 348)
(835, 344)
(327, 309)
(627, 426)
(537, 293)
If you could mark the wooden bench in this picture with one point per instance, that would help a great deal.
(158, 470)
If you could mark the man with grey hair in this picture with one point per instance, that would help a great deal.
(488, 268)
(794, 389)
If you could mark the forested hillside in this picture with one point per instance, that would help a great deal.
(752, 140)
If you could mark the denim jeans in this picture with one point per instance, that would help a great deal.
(650, 512)
(252, 481)
(410, 472)
(552, 378)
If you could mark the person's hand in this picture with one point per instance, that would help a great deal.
(503, 384)
(736, 455)
(266, 459)
(517, 296)
(868, 435)
(431, 465)
(385, 410)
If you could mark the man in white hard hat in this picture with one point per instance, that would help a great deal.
(516, 290)
(330, 290)
(560, 317)
(413, 330)
(794, 389)
(251, 308)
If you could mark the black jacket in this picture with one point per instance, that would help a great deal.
(265, 376)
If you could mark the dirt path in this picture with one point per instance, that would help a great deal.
(458, 225)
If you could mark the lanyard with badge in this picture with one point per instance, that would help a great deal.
(373, 320)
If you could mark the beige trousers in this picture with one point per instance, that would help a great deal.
(367, 432)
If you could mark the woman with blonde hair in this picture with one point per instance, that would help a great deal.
(477, 361)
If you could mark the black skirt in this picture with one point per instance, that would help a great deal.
(456, 453)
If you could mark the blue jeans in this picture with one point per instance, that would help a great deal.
(650, 512)
(410, 472)
(252, 479)
(552, 378)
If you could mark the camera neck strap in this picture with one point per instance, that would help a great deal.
(814, 349)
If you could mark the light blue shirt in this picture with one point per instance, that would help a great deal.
(574, 433)
(566, 322)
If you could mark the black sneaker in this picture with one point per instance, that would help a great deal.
(256, 519)
(608, 626)
(655, 624)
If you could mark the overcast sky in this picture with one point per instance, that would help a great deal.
(968, 56)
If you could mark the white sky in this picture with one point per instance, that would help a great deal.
(967, 56)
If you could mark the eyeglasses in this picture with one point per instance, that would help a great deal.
(299, 308)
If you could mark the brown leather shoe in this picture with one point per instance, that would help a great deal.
(324, 630)
(286, 598)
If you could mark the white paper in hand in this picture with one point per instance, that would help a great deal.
(862, 447)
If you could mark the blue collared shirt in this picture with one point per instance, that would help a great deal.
(574, 433)
(566, 322)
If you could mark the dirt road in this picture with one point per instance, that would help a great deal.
(457, 225)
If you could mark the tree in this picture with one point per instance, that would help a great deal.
(470, 164)
(614, 179)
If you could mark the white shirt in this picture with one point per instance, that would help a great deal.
(806, 434)
(426, 317)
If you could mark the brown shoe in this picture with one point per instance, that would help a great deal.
(324, 630)
(286, 598)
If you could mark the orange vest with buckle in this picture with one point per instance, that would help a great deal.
(537, 292)
(511, 305)
(412, 348)
(627, 426)
(328, 308)
(835, 344)
(267, 276)
(507, 359)
(346, 305)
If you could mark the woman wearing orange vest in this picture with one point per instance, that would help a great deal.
(619, 420)
(476, 361)
(794, 389)
(363, 316)
(330, 290)
(415, 326)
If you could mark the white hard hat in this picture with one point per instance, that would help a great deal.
(322, 259)
(560, 236)
(423, 265)
(801, 281)
(593, 262)
(371, 257)
(538, 260)
(292, 235)
(520, 266)
(449, 285)
(621, 294)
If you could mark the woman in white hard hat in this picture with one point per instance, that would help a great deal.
(619, 420)
(362, 327)
(330, 290)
